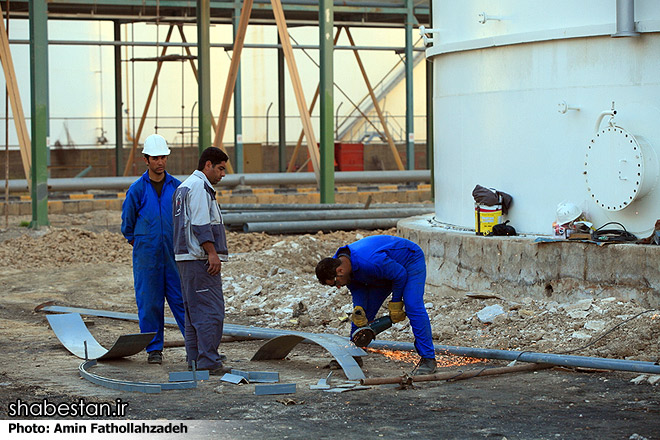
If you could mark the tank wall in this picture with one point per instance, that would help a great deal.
(496, 117)
(459, 22)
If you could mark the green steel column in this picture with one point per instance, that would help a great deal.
(410, 122)
(327, 141)
(281, 108)
(238, 103)
(39, 111)
(119, 124)
(204, 72)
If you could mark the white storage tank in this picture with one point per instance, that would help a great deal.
(548, 101)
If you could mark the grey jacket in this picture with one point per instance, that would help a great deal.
(197, 219)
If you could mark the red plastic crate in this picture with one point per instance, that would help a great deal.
(349, 157)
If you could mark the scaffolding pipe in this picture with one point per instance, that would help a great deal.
(122, 183)
(283, 216)
(320, 225)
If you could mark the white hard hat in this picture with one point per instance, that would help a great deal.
(155, 145)
(567, 212)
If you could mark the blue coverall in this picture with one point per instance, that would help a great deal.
(383, 264)
(147, 221)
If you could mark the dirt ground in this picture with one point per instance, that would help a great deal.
(82, 261)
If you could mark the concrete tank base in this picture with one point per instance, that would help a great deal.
(459, 262)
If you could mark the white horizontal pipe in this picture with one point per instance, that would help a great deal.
(320, 225)
(232, 180)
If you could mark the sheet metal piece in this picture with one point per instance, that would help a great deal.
(344, 389)
(234, 378)
(181, 376)
(275, 388)
(74, 335)
(338, 346)
(322, 384)
(239, 331)
(279, 347)
(125, 385)
(258, 376)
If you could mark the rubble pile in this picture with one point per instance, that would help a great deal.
(270, 282)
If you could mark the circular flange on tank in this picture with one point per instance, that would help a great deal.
(619, 168)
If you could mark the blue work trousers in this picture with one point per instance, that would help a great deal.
(205, 313)
(155, 281)
(373, 296)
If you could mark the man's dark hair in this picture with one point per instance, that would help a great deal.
(215, 155)
(327, 269)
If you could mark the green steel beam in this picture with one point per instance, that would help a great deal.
(281, 106)
(119, 124)
(410, 121)
(238, 102)
(39, 111)
(204, 72)
(326, 86)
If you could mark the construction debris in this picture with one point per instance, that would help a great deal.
(278, 388)
(234, 378)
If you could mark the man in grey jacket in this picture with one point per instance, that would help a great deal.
(200, 246)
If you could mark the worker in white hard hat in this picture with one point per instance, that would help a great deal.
(147, 225)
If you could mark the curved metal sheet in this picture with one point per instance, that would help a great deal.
(239, 331)
(280, 346)
(73, 334)
(124, 385)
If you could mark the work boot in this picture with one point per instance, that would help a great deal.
(220, 371)
(424, 366)
(155, 357)
(223, 358)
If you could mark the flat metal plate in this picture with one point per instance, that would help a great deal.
(278, 388)
(258, 376)
(182, 376)
(73, 334)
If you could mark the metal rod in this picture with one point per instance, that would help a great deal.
(454, 375)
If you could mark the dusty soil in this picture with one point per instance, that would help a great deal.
(83, 261)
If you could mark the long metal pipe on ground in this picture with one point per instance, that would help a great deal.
(234, 207)
(530, 356)
(340, 214)
(245, 332)
(232, 180)
(312, 226)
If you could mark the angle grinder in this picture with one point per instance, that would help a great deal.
(364, 335)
